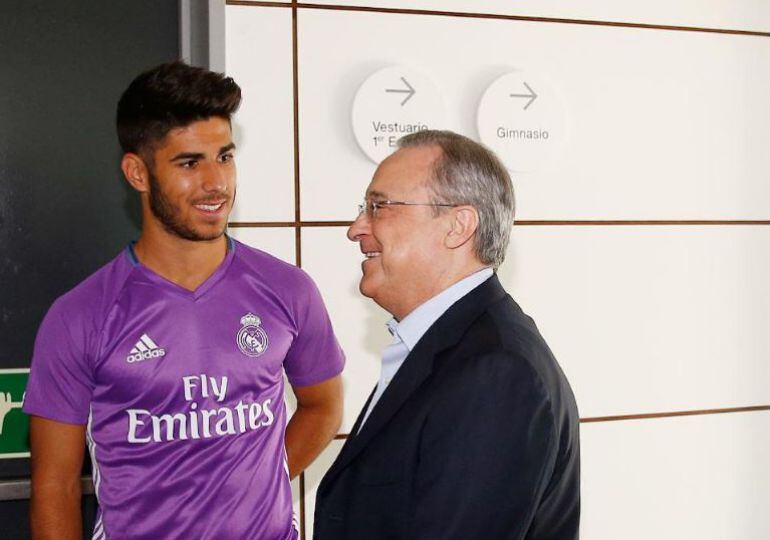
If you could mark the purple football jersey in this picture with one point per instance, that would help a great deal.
(182, 392)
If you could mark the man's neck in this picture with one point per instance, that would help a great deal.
(187, 263)
(441, 282)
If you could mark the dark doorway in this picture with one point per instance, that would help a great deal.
(64, 208)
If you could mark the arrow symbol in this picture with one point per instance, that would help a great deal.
(6, 404)
(409, 91)
(532, 96)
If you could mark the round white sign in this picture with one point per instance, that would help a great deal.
(522, 119)
(391, 103)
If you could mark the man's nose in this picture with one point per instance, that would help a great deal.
(215, 178)
(360, 227)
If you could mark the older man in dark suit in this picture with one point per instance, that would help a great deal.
(472, 430)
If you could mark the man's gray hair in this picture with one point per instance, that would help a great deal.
(469, 173)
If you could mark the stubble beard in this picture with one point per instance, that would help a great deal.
(169, 215)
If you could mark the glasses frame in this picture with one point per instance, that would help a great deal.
(370, 207)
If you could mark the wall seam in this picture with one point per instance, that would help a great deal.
(650, 416)
(297, 210)
(500, 16)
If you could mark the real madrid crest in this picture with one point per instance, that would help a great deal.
(252, 338)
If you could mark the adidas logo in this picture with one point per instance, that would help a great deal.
(144, 349)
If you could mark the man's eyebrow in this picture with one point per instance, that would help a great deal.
(374, 194)
(187, 155)
(201, 155)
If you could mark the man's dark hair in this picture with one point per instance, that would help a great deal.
(170, 96)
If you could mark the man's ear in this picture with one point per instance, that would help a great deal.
(136, 172)
(465, 221)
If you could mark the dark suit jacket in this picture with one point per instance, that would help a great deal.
(476, 437)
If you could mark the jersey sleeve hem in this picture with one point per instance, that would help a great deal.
(318, 377)
(31, 410)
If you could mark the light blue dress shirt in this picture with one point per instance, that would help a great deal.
(408, 332)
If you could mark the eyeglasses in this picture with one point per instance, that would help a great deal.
(371, 207)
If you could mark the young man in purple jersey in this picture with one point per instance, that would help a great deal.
(169, 360)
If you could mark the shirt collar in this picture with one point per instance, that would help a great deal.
(411, 329)
(135, 260)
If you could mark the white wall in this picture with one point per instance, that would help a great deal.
(646, 318)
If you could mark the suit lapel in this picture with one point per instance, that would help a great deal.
(409, 377)
(417, 367)
(357, 425)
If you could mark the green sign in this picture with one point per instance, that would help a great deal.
(14, 424)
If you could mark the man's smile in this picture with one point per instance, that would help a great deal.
(212, 207)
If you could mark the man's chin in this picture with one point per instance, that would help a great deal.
(215, 234)
(366, 287)
(211, 237)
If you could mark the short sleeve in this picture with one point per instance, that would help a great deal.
(315, 355)
(60, 383)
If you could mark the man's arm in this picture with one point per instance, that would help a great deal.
(316, 421)
(57, 451)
